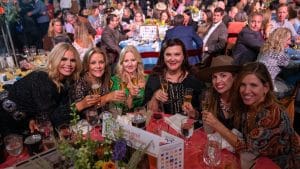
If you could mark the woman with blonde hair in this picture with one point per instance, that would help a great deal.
(56, 34)
(266, 23)
(92, 90)
(41, 92)
(82, 39)
(130, 77)
(273, 55)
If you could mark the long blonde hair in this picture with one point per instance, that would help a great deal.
(51, 32)
(276, 41)
(82, 36)
(54, 59)
(140, 66)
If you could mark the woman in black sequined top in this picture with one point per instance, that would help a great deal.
(42, 91)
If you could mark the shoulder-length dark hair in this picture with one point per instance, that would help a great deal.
(161, 67)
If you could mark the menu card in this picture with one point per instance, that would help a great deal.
(175, 121)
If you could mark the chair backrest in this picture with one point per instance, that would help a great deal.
(195, 52)
(149, 55)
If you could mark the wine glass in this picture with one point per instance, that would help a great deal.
(33, 51)
(44, 125)
(95, 89)
(135, 82)
(212, 151)
(65, 132)
(187, 97)
(92, 118)
(123, 85)
(164, 85)
(187, 129)
(204, 105)
(13, 144)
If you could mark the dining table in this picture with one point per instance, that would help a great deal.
(193, 153)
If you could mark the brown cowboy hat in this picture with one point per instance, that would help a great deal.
(220, 63)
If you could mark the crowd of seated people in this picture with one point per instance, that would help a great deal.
(243, 86)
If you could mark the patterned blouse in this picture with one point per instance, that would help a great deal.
(271, 135)
(273, 60)
(83, 88)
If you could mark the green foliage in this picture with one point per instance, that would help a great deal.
(10, 14)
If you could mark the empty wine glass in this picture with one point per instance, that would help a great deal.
(33, 51)
(93, 118)
(13, 144)
(65, 132)
(212, 151)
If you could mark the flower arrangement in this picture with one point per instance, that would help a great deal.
(8, 11)
(86, 153)
(193, 9)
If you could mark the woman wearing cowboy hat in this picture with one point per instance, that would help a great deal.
(217, 113)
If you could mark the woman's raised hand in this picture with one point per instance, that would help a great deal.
(161, 96)
(117, 96)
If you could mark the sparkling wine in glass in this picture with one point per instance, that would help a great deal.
(204, 105)
(123, 85)
(96, 89)
(164, 85)
(134, 81)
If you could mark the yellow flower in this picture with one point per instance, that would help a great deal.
(109, 165)
(99, 164)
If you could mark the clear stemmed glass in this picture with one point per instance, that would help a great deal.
(187, 129)
(13, 144)
(204, 105)
(212, 151)
(135, 82)
(96, 89)
(187, 97)
(164, 87)
(92, 118)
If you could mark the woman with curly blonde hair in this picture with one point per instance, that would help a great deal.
(272, 53)
(130, 71)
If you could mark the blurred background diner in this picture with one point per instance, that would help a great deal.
(229, 67)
